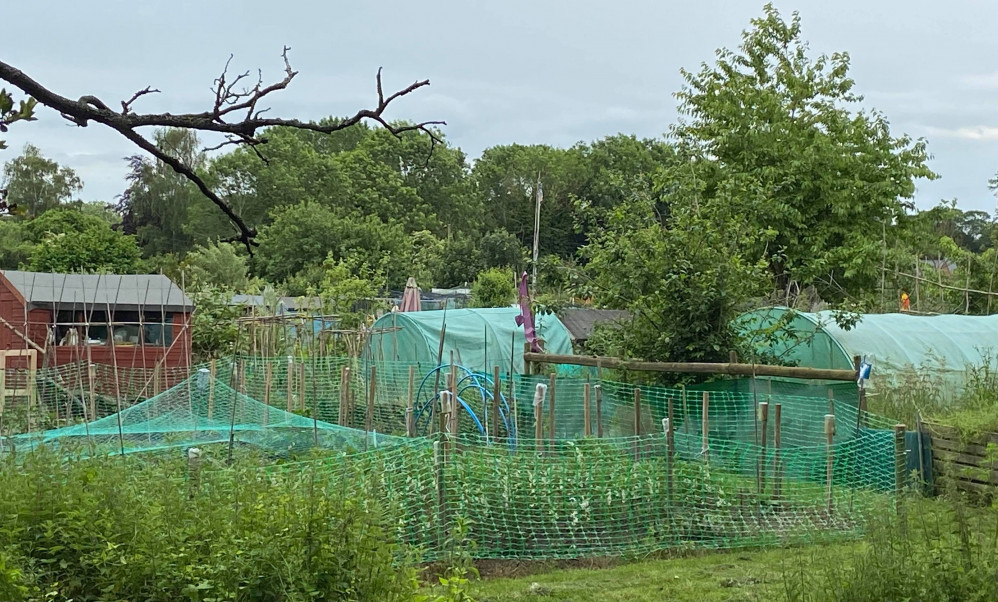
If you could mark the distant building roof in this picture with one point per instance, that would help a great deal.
(287, 303)
(581, 322)
(65, 291)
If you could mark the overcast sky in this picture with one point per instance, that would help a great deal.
(501, 72)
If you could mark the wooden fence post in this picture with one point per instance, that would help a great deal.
(637, 424)
(599, 411)
(291, 377)
(213, 370)
(900, 469)
(551, 398)
(372, 387)
(267, 385)
(410, 417)
(763, 422)
(670, 449)
(830, 453)
(587, 427)
(302, 385)
(777, 476)
(705, 428)
(496, 396)
(539, 394)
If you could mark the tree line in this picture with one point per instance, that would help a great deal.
(776, 185)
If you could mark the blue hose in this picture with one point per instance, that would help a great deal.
(470, 382)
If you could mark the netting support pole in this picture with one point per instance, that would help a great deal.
(410, 417)
(587, 427)
(291, 374)
(777, 469)
(899, 472)
(344, 389)
(670, 452)
(213, 369)
(637, 424)
(830, 454)
(551, 396)
(831, 401)
(705, 428)
(267, 384)
(539, 394)
(301, 385)
(372, 387)
(496, 395)
(763, 422)
(438, 465)
(599, 411)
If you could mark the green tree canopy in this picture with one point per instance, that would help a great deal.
(493, 288)
(777, 137)
(158, 200)
(36, 184)
(71, 242)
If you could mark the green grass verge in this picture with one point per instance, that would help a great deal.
(733, 575)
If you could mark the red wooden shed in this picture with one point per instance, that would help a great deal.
(129, 321)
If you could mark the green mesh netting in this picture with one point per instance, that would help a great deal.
(203, 410)
(606, 480)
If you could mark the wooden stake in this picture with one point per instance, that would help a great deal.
(372, 388)
(410, 417)
(496, 396)
(900, 468)
(686, 413)
(777, 471)
(637, 423)
(599, 411)
(705, 428)
(551, 398)
(670, 450)
(831, 401)
(212, 369)
(830, 453)
(763, 421)
(291, 377)
(539, 394)
(454, 405)
(587, 427)
(344, 376)
(301, 385)
(267, 385)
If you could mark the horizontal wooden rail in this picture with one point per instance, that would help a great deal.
(692, 367)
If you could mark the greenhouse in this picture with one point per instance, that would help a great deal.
(479, 338)
(939, 348)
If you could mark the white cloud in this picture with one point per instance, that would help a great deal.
(984, 133)
(981, 81)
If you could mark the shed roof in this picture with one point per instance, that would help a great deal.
(581, 322)
(132, 291)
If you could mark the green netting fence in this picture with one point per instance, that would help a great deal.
(608, 479)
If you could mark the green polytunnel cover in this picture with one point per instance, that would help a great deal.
(899, 346)
(479, 338)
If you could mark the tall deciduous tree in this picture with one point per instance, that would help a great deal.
(35, 183)
(156, 205)
(776, 136)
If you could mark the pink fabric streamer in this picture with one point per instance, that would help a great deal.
(526, 317)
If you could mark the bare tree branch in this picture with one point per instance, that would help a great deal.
(228, 100)
(126, 105)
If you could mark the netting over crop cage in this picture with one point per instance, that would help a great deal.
(579, 468)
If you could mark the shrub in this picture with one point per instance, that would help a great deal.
(134, 529)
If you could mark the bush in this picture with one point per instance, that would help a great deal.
(493, 288)
(133, 529)
(944, 551)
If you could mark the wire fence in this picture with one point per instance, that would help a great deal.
(523, 466)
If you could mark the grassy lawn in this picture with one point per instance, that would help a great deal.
(730, 575)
